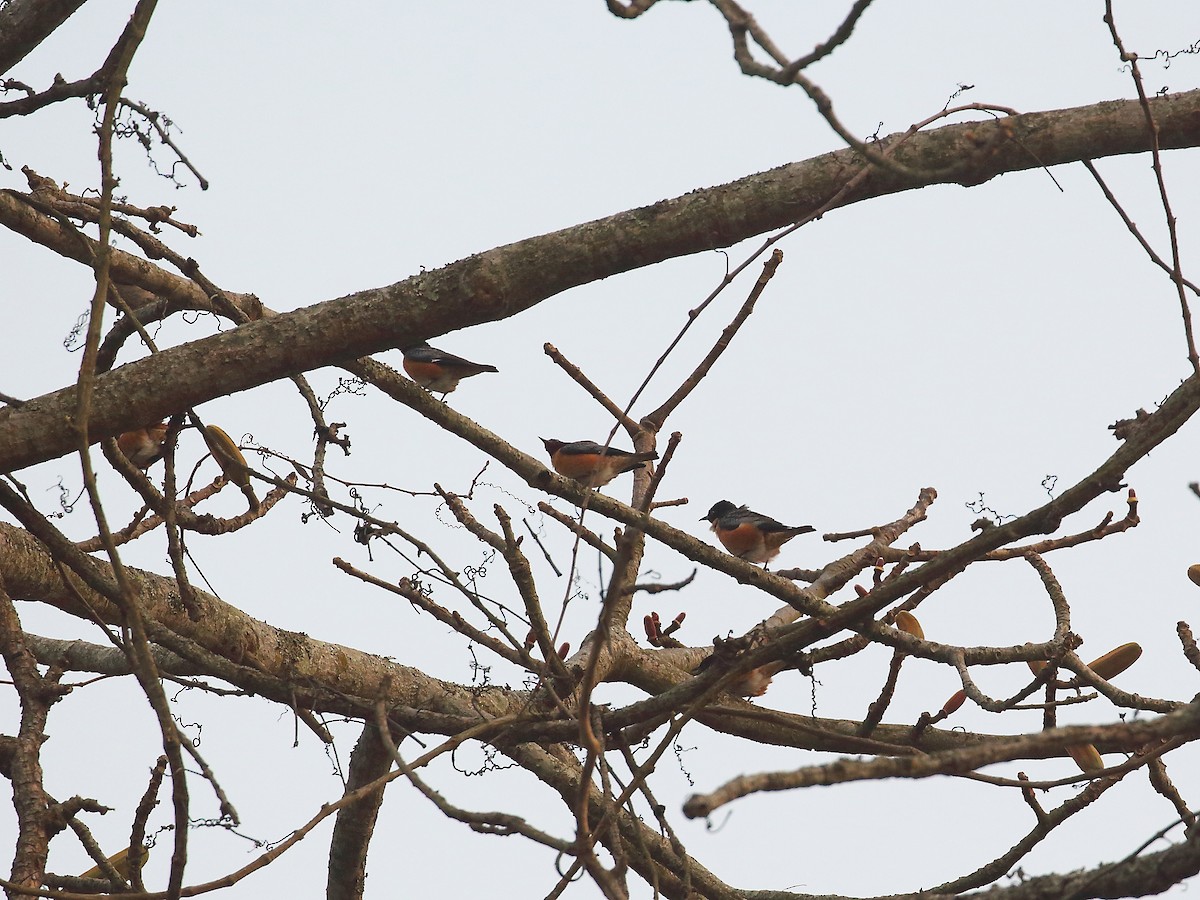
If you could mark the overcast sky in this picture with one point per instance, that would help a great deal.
(978, 340)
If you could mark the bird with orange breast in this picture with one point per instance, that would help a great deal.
(437, 371)
(592, 464)
(143, 446)
(749, 684)
(749, 535)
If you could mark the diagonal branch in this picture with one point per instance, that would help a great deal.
(659, 416)
(24, 24)
(507, 280)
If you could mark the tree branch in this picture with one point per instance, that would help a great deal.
(502, 282)
(24, 24)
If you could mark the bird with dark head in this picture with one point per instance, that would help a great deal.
(437, 371)
(749, 535)
(592, 464)
(143, 446)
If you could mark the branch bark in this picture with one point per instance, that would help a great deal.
(355, 823)
(24, 24)
(504, 281)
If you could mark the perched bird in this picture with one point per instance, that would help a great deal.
(120, 861)
(229, 457)
(143, 446)
(593, 464)
(749, 684)
(749, 535)
(439, 372)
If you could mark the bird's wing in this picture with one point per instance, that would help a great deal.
(764, 523)
(442, 358)
(589, 447)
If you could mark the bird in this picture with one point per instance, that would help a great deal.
(592, 464)
(437, 371)
(726, 654)
(749, 535)
(143, 446)
(229, 457)
(120, 861)
(749, 684)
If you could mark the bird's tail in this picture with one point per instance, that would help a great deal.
(251, 497)
(799, 529)
(637, 460)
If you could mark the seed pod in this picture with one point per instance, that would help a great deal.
(1087, 757)
(1114, 662)
(956, 700)
(908, 623)
(1194, 573)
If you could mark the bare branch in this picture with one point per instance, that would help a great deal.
(398, 315)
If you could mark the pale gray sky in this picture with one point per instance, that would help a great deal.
(976, 340)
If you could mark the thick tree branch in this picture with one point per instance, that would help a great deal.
(355, 823)
(504, 281)
(26, 23)
(293, 668)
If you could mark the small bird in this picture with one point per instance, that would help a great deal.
(592, 464)
(749, 684)
(749, 535)
(143, 446)
(437, 371)
(120, 862)
(229, 457)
